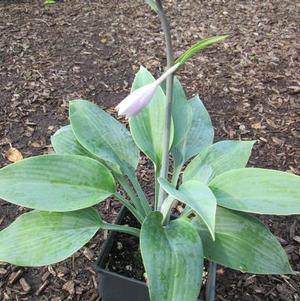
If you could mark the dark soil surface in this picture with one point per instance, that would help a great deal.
(125, 257)
(91, 49)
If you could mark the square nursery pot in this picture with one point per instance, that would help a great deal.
(113, 286)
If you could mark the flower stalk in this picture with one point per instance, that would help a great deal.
(169, 93)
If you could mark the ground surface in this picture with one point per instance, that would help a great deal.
(91, 50)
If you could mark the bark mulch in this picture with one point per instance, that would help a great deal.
(91, 49)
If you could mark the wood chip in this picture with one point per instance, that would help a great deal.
(79, 290)
(25, 286)
(42, 287)
(45, 276)
(15, 276)
(35, 145)
(13, 155)
(88, 254)
(256, 126)
(69, 287)
(293, 229)
(51, 270)
(91, 270)
(297, 239)
(294, 90)
(95, 282)
(277, 141)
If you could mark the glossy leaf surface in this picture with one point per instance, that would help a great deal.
(243, 243)
(257, 190)
(56, 183)
(103, 136)
(173, 258)
(40, 238)
(217, 159)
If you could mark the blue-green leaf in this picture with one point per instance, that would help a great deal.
(198, 197)
(147, 127)
(173, 258)
(199, 135)
(217, 159)
(243, 243)
(103, 136)
(64, 142)
(40, 238)
(56, 183)
(258, 190)
(181, 113)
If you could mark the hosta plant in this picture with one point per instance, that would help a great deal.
(95, 153)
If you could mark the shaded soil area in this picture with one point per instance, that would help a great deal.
(91, 49)
(124, 256)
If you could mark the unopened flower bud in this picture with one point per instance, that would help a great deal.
(138, 99)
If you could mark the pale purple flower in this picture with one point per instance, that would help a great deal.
(138, 99)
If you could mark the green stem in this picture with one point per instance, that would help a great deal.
(169, 88)
(166, 209)
(121, 228)
(130, 207)
(156, 176)
(140, 192)
(171, 202)
(176, 174)
(126, 186)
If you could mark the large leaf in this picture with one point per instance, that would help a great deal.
(64, 142)
(243, 243)
(197, 196)
(199, 46)
(103, 136)
(56, 182)
(199, 135)
(40, 238)
(173, 259)
(218, 158)
(258, 190)
(147, 127)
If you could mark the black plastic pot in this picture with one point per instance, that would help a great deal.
(115, 287)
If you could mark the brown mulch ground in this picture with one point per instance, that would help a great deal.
(91, 49)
